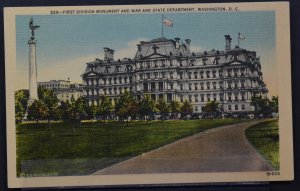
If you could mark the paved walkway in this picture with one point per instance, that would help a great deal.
(222, 149)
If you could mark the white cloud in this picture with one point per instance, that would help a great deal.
(130, 49)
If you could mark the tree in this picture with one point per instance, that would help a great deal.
(64, 110)
(91, 112)
(51, 102)
(21, 99)
(274, 104)
(186, 108)
(163, 108)
(261, 105)
(211, 107)
(105, 108)
(175, 108)
(126, 106)
(146, 107)
(37, 111)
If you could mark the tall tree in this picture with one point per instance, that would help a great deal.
(64, 110)
(50, 100)
(126, 106)
(146, 107)
(175, 108)
(186, 108)
(261, 105)
(105, 108)
(274, 104)
(163, 108)
(91, 112)
(211, 107)
(37, 111)
(21, 99)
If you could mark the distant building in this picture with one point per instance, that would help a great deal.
(63, 89)
(55, 84)
(169, 69)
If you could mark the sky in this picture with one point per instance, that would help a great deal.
(65, 43)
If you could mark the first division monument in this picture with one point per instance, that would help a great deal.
(33, 95)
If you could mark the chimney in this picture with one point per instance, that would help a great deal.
(188, 44)
(108, 54)
(228, 42)
(139, 47)
(177, 41)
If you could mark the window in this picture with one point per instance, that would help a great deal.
(196, 108)
(148, 75)
(145, 87)
(120, 80)
(160, 85)
(208, 85)
(236, 107)
(215, 97)
(236, 97)
(171, 63)
(229, 97)
(181, 99)
(190, 98)
(155, 74)
(181, 87)
(128, 68)
(125, 79)
(171, 75)
(201, 74)
(155, 64)
(195, 75)
(243, 97)
(190, 86)
(235, 85)
(163, 63)
(163, 75)
(229, 107)
(214, 74)
(141, 65)
(243, 107)
(196, 86)
(180, 76)
(196, 98)
(190, 75)
(180, 63)
(148, 64)
(221, 97)
(215, 85)
(171, 86)
(141, 76)
(202, 87)
(109, 81)
(115, 80)
(208, 97)
(220, 73)
(204, 61)
(208, 74)
(202, 98)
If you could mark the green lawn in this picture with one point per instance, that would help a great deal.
(94, 146)
(265, 138)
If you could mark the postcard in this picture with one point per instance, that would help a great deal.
(148, 94)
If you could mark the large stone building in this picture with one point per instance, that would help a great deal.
(169, 69)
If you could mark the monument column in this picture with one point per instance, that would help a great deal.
(33, 94)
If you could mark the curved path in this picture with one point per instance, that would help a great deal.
(222, 149)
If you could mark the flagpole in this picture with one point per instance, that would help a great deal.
(238, 39)
(162, 25)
